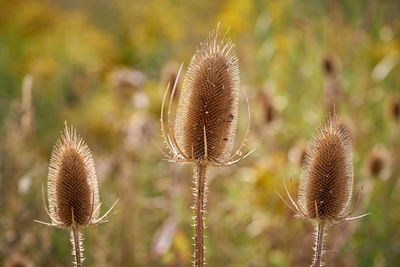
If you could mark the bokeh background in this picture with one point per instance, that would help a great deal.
(103, 67)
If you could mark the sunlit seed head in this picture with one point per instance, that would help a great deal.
(327, 181)
(72, 183)
(208, 105)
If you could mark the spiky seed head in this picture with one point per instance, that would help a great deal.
(72, 183)
(328, 66)
(377, 162)
(209, 101)
(395, 108)
(327, 180)
(268, 107)
(375, 165)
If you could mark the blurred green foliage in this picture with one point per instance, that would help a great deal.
(101, 66)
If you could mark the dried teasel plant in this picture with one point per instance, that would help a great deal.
(326, 184)
(205, 125)
(72, 189)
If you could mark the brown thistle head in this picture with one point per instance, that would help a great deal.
(72, 184)
(327, 180)
(208, 105)
(376, 163)
(328, 65)
(395, 108)
(268, 107)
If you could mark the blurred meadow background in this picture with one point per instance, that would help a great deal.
(103, 66)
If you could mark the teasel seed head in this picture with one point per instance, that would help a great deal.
(377, 163)
(327, 180)
(328, 65)
(72, 183)
(395, 108)
(268, 107)
(208, 106)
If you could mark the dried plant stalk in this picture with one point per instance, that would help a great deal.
(326, 183)
(77, 246)
(72, 189)
(200, 208)
(206, 120)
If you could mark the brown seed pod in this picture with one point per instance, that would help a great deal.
(72, 189)
(326, 183)
(327, 180)
(395, 108)
(72, 183)
(268, 107)
(328, 66)
(376, 164)
(208, 105)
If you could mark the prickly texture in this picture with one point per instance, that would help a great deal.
(208, 105)
(72, 183)
(327, 181)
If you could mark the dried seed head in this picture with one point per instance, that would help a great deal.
(328, 66)
(268, 107)
(208, 105)
(72, 183)
(327, 179)
(377, 163)
(395, 108)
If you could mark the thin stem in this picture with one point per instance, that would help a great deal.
(319, 244)
(200, 208)
(76, 242)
